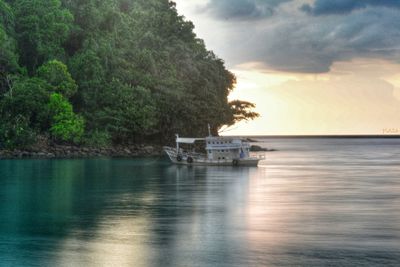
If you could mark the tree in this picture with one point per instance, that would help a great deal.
(128, 112)
(28, 98)
(15, 132)
(6, 17)
(65, 124)
(57, 75)
(242, 111)
(87, 70)
(41, 26)
(8, 59)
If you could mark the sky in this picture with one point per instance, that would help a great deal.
(312, 67)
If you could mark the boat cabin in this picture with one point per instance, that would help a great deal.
(217, 148)
(226, 148)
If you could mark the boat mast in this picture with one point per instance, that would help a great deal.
(177, 144)
(209, 130)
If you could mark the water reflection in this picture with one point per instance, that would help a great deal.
(309, 207)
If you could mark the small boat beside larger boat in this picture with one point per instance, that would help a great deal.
(213, 150)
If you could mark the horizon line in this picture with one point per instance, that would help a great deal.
(323, 136)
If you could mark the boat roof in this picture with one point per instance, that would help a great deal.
(225, 138)
(184, 140)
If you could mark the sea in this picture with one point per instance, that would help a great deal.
(313, 202)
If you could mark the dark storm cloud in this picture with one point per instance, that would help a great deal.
(295, 41)
(326, 7)
(312, 44)
(242, 9)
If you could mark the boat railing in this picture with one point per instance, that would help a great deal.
(169, 150)
(185, 154)
(194, 155)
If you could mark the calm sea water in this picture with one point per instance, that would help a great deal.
(315, 202)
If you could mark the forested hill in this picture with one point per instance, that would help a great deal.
(101, 71)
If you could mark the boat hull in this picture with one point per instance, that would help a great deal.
(248, 163)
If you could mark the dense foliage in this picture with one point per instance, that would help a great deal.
(112, 70)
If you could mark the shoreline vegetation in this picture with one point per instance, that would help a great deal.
(57, 151)
(88, 75)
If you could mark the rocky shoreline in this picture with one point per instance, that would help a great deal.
(44, 149)
(68, 152)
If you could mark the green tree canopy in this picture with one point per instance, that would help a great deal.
(41, 27)
(65, 124)
(8, 59)
(27, 98)
(129, 111)
(6, 17)
(120, 70)
(57, 75)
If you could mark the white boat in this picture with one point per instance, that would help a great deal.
(214, 150)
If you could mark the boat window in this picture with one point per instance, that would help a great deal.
(209, 151)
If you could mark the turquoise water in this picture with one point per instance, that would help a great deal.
(315, 202)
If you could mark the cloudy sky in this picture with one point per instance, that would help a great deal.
(311, 66)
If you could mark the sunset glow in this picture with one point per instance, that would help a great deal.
(351, 99)
(359, 94)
